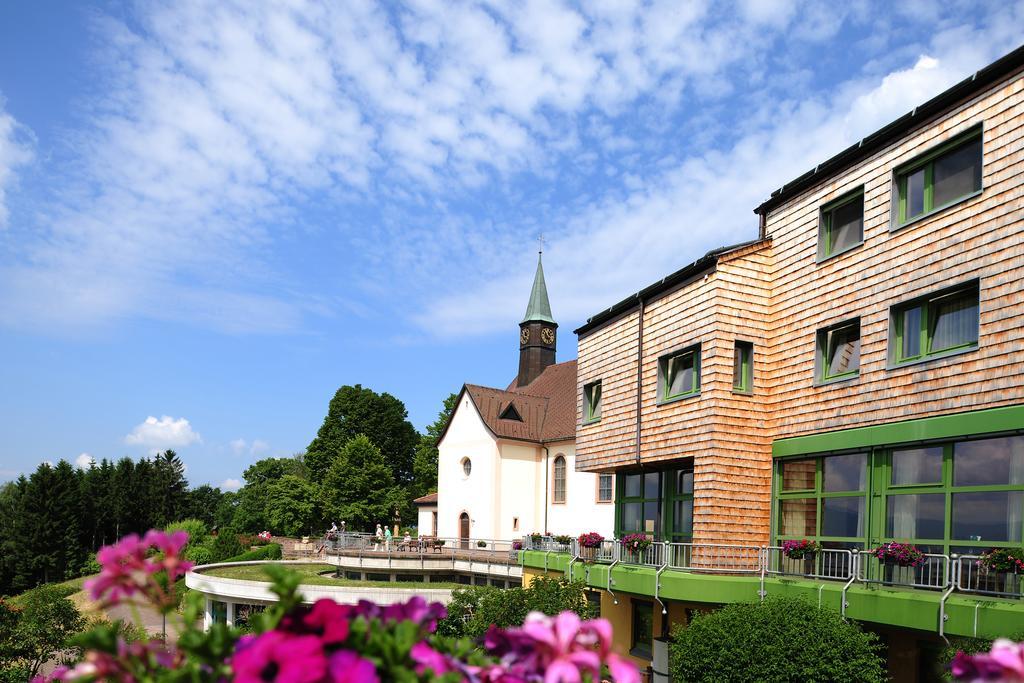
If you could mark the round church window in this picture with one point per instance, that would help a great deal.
(467, 466)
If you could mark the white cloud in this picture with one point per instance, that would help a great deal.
(231, 484)
(217, 122)
(160, 434)
(16, 150)
(84, 461)
(611, 248)
(240, 446)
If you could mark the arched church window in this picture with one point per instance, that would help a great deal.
(559, 479)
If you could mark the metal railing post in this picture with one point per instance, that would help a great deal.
(854, 571)
(950, 587)
(763, 560)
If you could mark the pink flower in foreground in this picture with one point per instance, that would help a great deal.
(427, 658)
(563, 648)
(348, 667)
(126, 570)
(1005, 662)
(280, 657)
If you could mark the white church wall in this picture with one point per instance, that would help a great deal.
(425, 520)
(520, 467)
(581, 512)
(467, 437)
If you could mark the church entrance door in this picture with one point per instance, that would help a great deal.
(464, 531)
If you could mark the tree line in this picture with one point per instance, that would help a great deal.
(54, 519)
(366, 461)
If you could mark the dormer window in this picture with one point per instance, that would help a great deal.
(510, 413)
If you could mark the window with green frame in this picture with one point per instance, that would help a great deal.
(957, 497)
(936, 325)
(592, 402)
(638, 505)
(838, 352)
(963, 497)
(823, 499)
(841, 225)
(743, 367)
(680, 501)
(940, 177)
(657, 503)
(679, 374)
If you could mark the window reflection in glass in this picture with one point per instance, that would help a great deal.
(634, 485)
(845, 472)
(798, 475)
(915, 193)
(917, 515)
(652, 484)
(917, 466)
(682, 517)
(987, 516)
(843, 516)
(989, 462)
(957, 174)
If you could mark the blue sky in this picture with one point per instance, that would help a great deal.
(213, 214)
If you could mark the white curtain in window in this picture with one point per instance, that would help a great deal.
(955, 321)
(904, 517)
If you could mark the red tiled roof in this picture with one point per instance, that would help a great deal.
(429, 499)
(547, 406)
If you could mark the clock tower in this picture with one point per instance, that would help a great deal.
(537, 332)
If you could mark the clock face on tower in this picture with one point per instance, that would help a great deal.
(547, 335)
(524, 335)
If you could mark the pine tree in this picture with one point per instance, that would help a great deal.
(169, 489)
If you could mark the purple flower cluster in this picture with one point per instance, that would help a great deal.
(1005, 662)
(517, 545)
(797, 550)
(635, 543)
(903, 554)
(590, 539)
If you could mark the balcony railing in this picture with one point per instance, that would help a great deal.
(946, 573)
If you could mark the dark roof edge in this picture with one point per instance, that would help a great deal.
(983, 78)
(666, 283)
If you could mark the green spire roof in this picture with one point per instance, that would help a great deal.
(539, 308)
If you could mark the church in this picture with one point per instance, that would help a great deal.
(507, 457)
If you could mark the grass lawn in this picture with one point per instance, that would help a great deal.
(312, 576)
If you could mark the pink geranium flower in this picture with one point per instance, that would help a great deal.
(281, 657)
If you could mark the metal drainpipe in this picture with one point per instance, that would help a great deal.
(639, 374)
(547, 458)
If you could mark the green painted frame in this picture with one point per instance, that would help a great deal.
(589, 402)
(820, 495)
(825, 217)
(879, 490)
(663, 378)
(821, 353)
(926, 161)
(991, 421)
(666, 500)
(897, 317)
(743, 383)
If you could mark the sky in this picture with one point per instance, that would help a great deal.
(214, 214)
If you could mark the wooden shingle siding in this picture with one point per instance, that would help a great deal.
(981, 238)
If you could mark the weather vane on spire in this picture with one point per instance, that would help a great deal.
(540, 242)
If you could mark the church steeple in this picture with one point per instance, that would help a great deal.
(539, 308)
(537, 332)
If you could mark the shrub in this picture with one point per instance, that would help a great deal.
(267, 552)
(199, 555)
(196, 529)
(226, 545)
(472, 610)
(37, 629)
(90, 566)
(781, 639)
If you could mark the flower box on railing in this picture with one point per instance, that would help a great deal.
(589, 545)
(1000, 569)
(634, 548)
